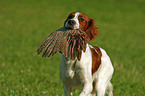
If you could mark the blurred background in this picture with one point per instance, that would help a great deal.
(24, 24)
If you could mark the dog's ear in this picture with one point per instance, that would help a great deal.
(92, 30)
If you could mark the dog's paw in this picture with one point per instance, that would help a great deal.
(82, 94)
(91, 95)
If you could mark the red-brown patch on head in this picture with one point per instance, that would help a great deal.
(88, 25)
(96, 58)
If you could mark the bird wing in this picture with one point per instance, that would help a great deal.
(70, 43)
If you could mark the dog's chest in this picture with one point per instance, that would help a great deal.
(72, 72)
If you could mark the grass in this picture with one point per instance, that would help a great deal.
(25, 23)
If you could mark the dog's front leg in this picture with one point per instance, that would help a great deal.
(69, 68)
(88, 87)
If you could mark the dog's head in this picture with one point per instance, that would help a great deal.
(78, 20)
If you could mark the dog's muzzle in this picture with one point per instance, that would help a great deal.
(70, 24)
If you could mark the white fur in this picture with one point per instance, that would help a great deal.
(78, 74)
(76, 26)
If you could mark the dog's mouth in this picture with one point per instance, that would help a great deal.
(69, 28)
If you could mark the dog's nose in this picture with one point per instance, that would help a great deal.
(71, 22)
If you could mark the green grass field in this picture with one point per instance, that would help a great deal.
(24, 24)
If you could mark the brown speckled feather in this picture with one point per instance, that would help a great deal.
(70, 43)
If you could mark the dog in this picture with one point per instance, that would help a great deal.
(93, 72)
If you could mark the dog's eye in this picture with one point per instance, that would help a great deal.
(81, 19)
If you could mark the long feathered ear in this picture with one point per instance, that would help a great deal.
(92, 29)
